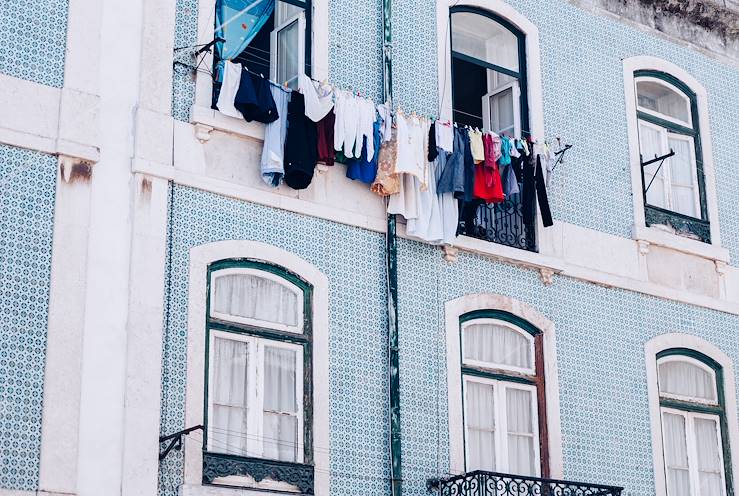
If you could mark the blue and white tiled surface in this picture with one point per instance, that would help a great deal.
(583, 95)
(600, 335)
(33, 38)
(600, 332)
(352, 260)
(603, 390)
(27, 182)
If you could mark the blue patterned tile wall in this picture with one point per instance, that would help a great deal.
(352, 260)
(27, 182)
(600, 345)
(600, 338)
(583, 94)
(33, 38)
(582, 74)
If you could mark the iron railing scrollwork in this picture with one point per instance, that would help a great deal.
(501, 223)
(481, 483)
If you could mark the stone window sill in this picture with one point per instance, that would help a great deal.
(656, 236)
(206, 120)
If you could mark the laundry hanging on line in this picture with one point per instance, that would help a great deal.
(436, 174)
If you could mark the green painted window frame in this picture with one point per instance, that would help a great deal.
(718, 410)
(220, 463)
(521, 75)
(538, 380)
(654, 215)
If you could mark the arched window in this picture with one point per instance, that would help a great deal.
(674, 190)
(258, 378)
(488, 72)
(503, 391)
(694, 427)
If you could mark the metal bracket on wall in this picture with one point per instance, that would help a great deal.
(175, 440)
(656, 159)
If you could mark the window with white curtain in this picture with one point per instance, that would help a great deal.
(692, 425)
(674, 188)
(258, 343)
(500, 386)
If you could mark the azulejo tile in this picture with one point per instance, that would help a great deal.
(27, 182)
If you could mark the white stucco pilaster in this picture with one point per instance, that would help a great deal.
(60, 418)
(153, 144)
(109, 246)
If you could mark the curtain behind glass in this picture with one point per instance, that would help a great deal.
(521, 454)
(480, 432)
(238, 22)
(686, 379)
(228, 427)
(251, 296)
(650, 146)
(280, 404)
(676, 455)
(709, 459)
(498, 344)
(681, 172)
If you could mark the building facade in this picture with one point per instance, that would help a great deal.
(602, 350)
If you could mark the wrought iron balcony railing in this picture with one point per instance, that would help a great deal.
(481, 483)
(500, 223)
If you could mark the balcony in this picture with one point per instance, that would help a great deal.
(480, 483)
(500, 223)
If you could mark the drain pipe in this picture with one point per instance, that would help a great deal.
(391, 253)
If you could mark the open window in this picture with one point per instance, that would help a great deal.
(488, 72)
(671, 156)
(268, 37)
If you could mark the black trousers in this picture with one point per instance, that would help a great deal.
(534, 187)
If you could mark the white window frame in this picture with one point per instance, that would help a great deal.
(697, 363)
(500, 416)
(687, 341)
(201, 257)
(274, 55)
(654, 235)
(670, 87)
(487, 107)
(500, 366)
(665, 171)
(298, 329)
(692, 447)
(255, 392)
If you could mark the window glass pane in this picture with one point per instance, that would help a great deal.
(521, 454)
(280, 437)
(497, 344)
(686, 379)
(285, 11)
(480, 423)
(287, 53)
(650, 146)
(676, 455)
(709, 460)
(254, 297)
(228, 427)
(664, 99)
(485, 39)
(681, 172)
(502, 112)
(279, 379)
(280, 404)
